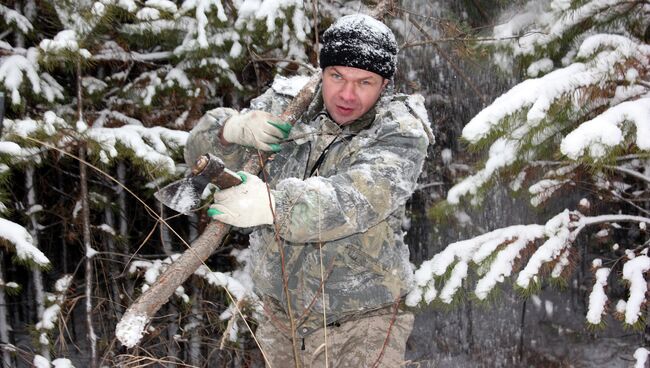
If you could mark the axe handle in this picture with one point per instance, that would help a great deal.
(147, 304)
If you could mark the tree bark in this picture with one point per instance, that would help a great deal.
(85, 221)
(37, 275)
(4, 327)
(195, 332)
(172, 311)
(124, 227)
(196, 316)
(85, 213)
(114, 269)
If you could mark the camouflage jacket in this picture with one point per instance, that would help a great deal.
(340, 195)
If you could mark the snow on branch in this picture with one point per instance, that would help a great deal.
(154, 146)
(22, 242)
(16, 71)
(474, 250)
(634, 271)
(538, 94)
(559, 236)
(598, 297)
(13, 17)
(51, 314)
(201, 7)
(641, 356)
(493, 256)
(270, 10)
(48, 322)
(521, 115)
(538, 25)
(238, 282)
(599, 135)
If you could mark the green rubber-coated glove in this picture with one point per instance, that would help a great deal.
(244, 205)
(256, 128)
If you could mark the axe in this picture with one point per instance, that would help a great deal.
(185, 195)
(130, 328)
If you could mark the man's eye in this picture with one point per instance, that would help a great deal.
(336, 76)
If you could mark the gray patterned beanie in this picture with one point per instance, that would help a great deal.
(360, 41)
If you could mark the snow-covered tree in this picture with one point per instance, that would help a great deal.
(578, 127)
(576, 130)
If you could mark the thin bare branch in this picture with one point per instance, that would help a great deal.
(453, 65)
(630, 172)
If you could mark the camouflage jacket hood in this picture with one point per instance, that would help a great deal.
(339, 195)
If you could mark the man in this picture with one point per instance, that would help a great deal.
(333, 215)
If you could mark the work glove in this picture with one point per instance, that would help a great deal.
(244, 205)
(256, 128)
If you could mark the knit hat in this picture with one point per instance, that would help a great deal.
(360, 41)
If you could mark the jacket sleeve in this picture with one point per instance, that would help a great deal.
(204, 137)
(381, 174)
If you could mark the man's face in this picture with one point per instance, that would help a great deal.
(348, 92)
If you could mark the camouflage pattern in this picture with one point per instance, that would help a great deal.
(374, 336)
(340, 195)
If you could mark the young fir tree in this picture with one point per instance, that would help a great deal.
(109, 88)
(579, 124)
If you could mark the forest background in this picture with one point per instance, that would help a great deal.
(99, 96)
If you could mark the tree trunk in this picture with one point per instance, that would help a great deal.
(195, 332)
(19, 38)
(85, 221)
(113, 268)
(172, 311)
(4, 327)
(85, 213)
(37, 276)
(195, 316)
(124, 226)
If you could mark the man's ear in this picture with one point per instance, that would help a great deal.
(384, 83)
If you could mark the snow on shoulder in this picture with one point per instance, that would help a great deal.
(289, 86)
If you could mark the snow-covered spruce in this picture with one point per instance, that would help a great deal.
(154, 146)
(525, 108)
(504, 246)
(474, 250)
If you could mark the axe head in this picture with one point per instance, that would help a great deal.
(185, 195)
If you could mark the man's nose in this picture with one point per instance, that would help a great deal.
(348, 92)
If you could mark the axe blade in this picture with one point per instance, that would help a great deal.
(185, 195)
(181, 196)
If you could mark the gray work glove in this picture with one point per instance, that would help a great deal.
(244, 205)
(256, 128)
